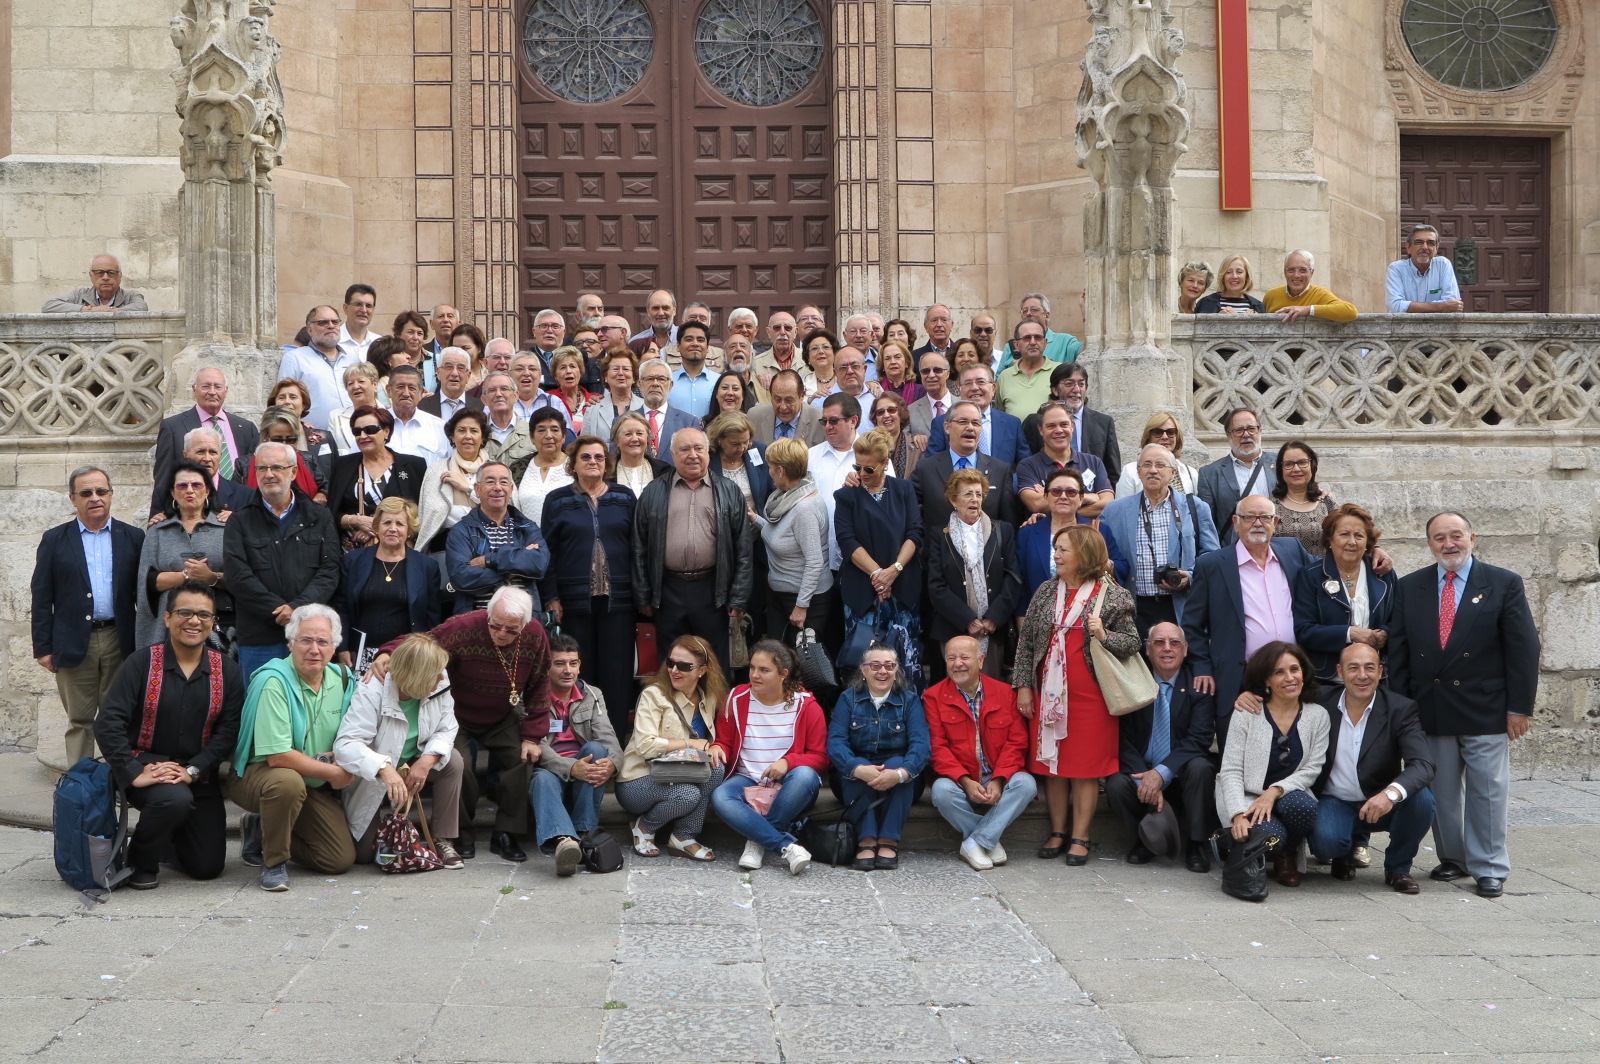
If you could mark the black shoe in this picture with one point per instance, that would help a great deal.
(1490, 887)
(144, 881)
(1140, 854)
(1195, 857)
(889, 863)
(504, 844)
(1447, 871)
(250, 840)
(467, 844)
(1077, 860)
(1344, 868)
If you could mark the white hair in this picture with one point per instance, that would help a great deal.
(1172, 459)
(549, 312)
(194, 378)
(1044, 300)
(647, 363)
(204, 430)
(1311, 260)
(455, 351)
(513, 600)
(499, 340)
(263, 449)
(309, 612)
(857, 317)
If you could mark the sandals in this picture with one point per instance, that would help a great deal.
(644, 842)
(891, 862)
(1048, 852)
(693, 849)
(1079, 858)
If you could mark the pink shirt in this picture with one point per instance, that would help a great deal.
(1268, 604)
(221, 426)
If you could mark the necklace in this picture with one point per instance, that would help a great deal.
(510, 670)
(389, 570)
(1350, 581)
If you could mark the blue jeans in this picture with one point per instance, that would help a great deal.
(1407, 824)
(799, 790)
(252, 658)
(565, 807)
(888, 818)
(983, 828)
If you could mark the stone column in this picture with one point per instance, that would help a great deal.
(230, 107)
(1132, 121)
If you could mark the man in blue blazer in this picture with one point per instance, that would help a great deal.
(85, 580)
(1001, 436)
(1465, 648)
(1160, 526)
(1243, 599)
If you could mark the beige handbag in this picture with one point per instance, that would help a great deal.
(1126, 685)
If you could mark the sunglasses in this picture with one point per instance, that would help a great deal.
(193, 485)
(935, 370)
(867, 469)
(1065, 493)
(366, 430)
(677, 665)
(831, 421)
(508, 629)
(982, 330)
(89, 493)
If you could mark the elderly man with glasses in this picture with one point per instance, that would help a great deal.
(1247, 469)
(104, 293)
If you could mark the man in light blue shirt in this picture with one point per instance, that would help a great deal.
(692, 384)
(321, 365)
(1058, 347)
(1423, 283)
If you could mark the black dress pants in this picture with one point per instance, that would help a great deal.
(1191, 795)
(503, 740)
(191, 820)
(605, 643)
(689, 607)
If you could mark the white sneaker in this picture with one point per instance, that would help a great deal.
(998, 855)
(798, 856)
(753, 854)
(973, 854)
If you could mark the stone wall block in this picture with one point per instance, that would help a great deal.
(1569, 627)
(1577, 563)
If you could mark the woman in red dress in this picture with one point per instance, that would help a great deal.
(1074, 737)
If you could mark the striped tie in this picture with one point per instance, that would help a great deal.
(225, 465)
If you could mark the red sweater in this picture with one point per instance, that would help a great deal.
(810, 747)
(477, 672)
(954, 736)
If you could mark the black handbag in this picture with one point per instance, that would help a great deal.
(1244, 870)
(816, 671)
(833, 841)
(601, 851)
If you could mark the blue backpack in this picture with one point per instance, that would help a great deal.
(91, 828)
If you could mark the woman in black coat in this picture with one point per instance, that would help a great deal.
(390, 589)
(362, 480)
(971, 543)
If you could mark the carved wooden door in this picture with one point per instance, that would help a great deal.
(676, 145)
(1489, 198)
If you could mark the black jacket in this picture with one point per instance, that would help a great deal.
(1393, 748)
(169, 447)
(733, 543)
(1193, 718)
(405, 481)
(180, 716)
(571, 526)
(271, 562)
(63, 602)
(947, 581)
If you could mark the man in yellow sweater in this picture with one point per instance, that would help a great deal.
(1299, 298)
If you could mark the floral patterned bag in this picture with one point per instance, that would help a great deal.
(401, 848)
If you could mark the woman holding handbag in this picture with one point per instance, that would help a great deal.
(878, 743)
(677, 712)
(1074, 736)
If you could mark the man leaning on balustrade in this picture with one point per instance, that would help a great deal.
(1297, 297)
(104, 294)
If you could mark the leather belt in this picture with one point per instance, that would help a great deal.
(96, 626)
(692, 574)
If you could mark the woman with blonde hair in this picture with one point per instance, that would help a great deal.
(1162, 428)
(1232, 296)
(389, 588)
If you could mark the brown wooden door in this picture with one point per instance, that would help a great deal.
(685, 146)
(1489, 198)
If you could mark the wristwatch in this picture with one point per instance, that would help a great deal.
(1392, 793)
(193, 772)
(899, 568)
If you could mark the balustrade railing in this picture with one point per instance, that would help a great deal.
(67, 375)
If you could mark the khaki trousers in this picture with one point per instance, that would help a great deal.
(83, 686)
(304, 823)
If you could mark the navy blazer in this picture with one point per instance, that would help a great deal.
(1193, 720)
(1322, 617)
(422, 590)
(1393, 746)
(569, 526)
(169, 446)
(1490, 666)
(760, 476)
(1006, 440)
(1213, 619)
(880, 527)
(1034, 551)
(63, 601)
(949, 613)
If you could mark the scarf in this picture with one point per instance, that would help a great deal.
(299, 716)
(1052, 701)
(779, 503)
(466, 471)
(968, 541)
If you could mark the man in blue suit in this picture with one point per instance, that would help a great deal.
(1242, 600)
(1002, 434)
(85, 577)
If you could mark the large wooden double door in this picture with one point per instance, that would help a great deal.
(678, 145)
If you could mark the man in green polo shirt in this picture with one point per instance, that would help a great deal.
(290, 783)
(1024, 386)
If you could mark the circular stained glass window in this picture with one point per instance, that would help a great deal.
(759, 52)
(1480, 45)
(587, 51)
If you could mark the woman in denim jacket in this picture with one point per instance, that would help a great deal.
(878, 743)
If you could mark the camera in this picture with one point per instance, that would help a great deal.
(1169, 576)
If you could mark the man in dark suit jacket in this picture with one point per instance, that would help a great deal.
(1471, 661)
(239, 435)
(1377, 773)
(1150, 761)
(453, 370)
(1220, 631)
(1092, 432)
(933, 472)
(1005, 432)
(85, 579)
(1219, 485)
(788, 405)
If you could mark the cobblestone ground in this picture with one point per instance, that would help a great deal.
(671, 962)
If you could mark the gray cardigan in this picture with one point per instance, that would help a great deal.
(1249, 752)
(797, 550)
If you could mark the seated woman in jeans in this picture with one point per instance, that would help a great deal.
(770, 732)
(878, 743)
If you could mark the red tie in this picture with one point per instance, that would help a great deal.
(655, 431)
(1447, 609)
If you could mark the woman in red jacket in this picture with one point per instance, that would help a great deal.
(771, 734)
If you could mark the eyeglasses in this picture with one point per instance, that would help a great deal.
(89, 493)
(366, 430)
(880, 666)
(966, 422)
(678, 665)
(832, 421)
(324, 323)
(1064, 493)
(190, 615)
(1245, 430)
(1258, 519)
(105, 273)
(867, 469)
(1145, 466)
(309, 643)
(1166, 642)
(591, 458)
(273, 468)
(933, 370)
(508, 629)
(1031, 338)
(1298, 463)
(983, 330)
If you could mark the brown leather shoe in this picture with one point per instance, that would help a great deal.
(1401, 882)
(1343, 868)
(1284, 870)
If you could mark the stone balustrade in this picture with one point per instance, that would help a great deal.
(1389, 373)
(78, 376)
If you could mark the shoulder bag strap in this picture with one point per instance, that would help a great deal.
(1255, 472)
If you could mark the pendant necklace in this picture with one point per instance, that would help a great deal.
(511, 670)
(389, 570)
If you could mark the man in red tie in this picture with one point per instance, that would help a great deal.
(655, 387)
(1466, 650)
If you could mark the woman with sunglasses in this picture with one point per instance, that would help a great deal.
(283, 426)
(375, 472)
(891, 414)
(1272, 758)
(878, 744)
(1162, 428)
(185, 546)
(588, 586)
(677, 710)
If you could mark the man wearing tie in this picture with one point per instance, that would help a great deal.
(788, 416)
(236, 434)
(85, 577)
(929, 410)
(655, 387)
(1466, 651)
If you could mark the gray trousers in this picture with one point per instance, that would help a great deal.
(1472, 785)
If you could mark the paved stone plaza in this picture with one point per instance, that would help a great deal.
(672, 962)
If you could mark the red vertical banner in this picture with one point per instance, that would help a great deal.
(1233, 104)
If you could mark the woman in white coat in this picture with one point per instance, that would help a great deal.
(398, 739)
